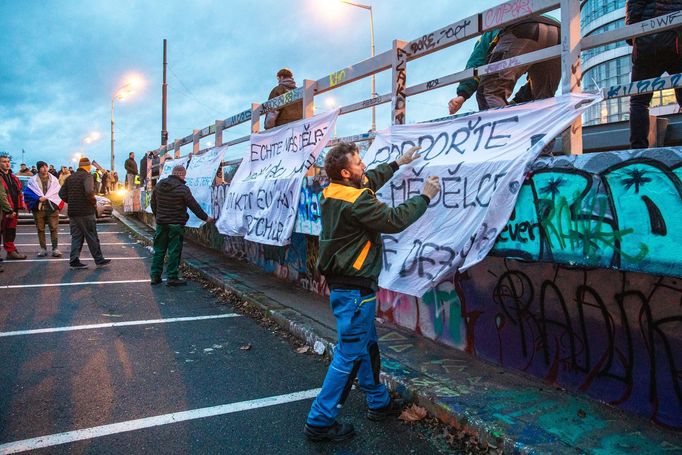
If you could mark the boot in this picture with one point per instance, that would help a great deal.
(56, 253)
(334, 433)
(15, 255)
(42, 253)
(394, 408)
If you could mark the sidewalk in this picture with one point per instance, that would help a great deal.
(512, 411)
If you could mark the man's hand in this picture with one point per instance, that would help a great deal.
(455, 104)
(431, 187)
(210, 219)
(42, 199)
(409, 156)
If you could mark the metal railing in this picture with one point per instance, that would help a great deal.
(403, 52)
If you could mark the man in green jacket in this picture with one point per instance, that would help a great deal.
(493, 90)
(350, 256)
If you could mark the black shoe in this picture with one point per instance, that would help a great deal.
(78, 265)
(335, 433)
(176, 282)
(394, 408)
(156, 280)
(103, 262)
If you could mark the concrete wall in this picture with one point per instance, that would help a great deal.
(582, 289)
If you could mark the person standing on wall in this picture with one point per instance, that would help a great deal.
(493, 90)
(15, 197)
(42, 199)
(350, 258)
(131, 171)
(169, 202)
(652, 55)
(79, 192)
(287, 114)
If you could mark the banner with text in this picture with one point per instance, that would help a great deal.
(262, 201)
(200, 176)
(481, 160)
(168, 165)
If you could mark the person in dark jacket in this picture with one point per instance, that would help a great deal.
(5, 211)
(79, 192)
(652, 55)
(350, 257)
(15, 197)
(493, 90)
(131, 171)
(287, 114)
(170, 200)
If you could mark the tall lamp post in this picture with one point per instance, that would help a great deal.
(371, 30)
(120, 94)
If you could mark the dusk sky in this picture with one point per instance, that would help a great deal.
(62, 62)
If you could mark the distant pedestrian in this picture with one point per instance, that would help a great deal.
(652, 55)
(71, 169)
(287, 114)
(114, 177)
(170, 200)
(106, 182)
(97, 180)
(131, 171)
(24, 171)
(79, 192)
(42, 199)
(34, 170)
(350, 258)
(15, 197)
(5, 211)
(63, 175)
(52, 171)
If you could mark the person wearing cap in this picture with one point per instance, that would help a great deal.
(79, 192)
(287, 114)
(12, 186)
(170, 200)
(42, 199)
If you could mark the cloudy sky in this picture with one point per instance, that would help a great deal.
(61, 61)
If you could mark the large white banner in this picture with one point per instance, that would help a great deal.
(262, 201)
(481, 160)
(168, 165)
(200, 176)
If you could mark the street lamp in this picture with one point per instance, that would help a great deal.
(371, 31)
(120, 94)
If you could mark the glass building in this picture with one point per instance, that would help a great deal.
(609, 65)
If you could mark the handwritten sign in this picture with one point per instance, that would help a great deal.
(168, 165)
(262, 202)
(200, 175)
(481, 160)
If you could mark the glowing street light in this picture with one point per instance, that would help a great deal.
(133, 83)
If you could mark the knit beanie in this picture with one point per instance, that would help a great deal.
(40, 164)
(84, 161)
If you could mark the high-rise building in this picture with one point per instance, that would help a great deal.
(609, 65)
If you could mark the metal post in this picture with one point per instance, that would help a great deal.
(195, 141)
(571, 70)
(255, 118)
(112, 134)
(176, 144)
(399, 78)
(164, 99)
(218, 133)
(374, 90)
(308, 98)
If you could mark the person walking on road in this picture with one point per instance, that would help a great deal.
(42, 199)
(350, 258)
(79, 192)
(131, 171)
(15, 197)
(170, 200)
(5, 210)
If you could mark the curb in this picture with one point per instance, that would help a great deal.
(398, 381)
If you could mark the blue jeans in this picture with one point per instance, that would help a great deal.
(356, 354)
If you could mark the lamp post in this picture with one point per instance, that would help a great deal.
(120, 94)
(371, 31)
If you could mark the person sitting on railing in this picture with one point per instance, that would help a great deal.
(493, 90)
(652, 55)
(287, 114)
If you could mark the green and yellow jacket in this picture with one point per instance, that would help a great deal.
(353, 220)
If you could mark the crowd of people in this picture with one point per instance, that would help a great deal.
(104, 180)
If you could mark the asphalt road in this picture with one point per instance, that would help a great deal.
(75, 378)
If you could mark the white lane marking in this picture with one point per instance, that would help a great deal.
(80, 283)
(116, 324)
(47, 233)
(148, 422)
(67, 259)
(101, 243)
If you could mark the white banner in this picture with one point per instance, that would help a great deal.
(262, 201)
(168, 165)
(200, 176)
(481, 160)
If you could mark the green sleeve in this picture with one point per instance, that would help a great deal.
(4, 202)
(376, 216)
(377, 177)
(479, 57)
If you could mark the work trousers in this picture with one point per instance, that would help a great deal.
(52, 218)
(84, 228)
(543, 78)
(167, 238)
(646, 65)
(8, 226)
(356, 354)
(130, 181)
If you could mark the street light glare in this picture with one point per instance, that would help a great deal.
(330, 8)
(330, 102)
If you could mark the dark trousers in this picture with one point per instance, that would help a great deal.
(9, 232)
(84, 227)
(52, 218)
(647, 65)
(168, 238)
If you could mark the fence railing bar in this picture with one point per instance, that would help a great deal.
(657, 24)
(364, 104)
(644, 86)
